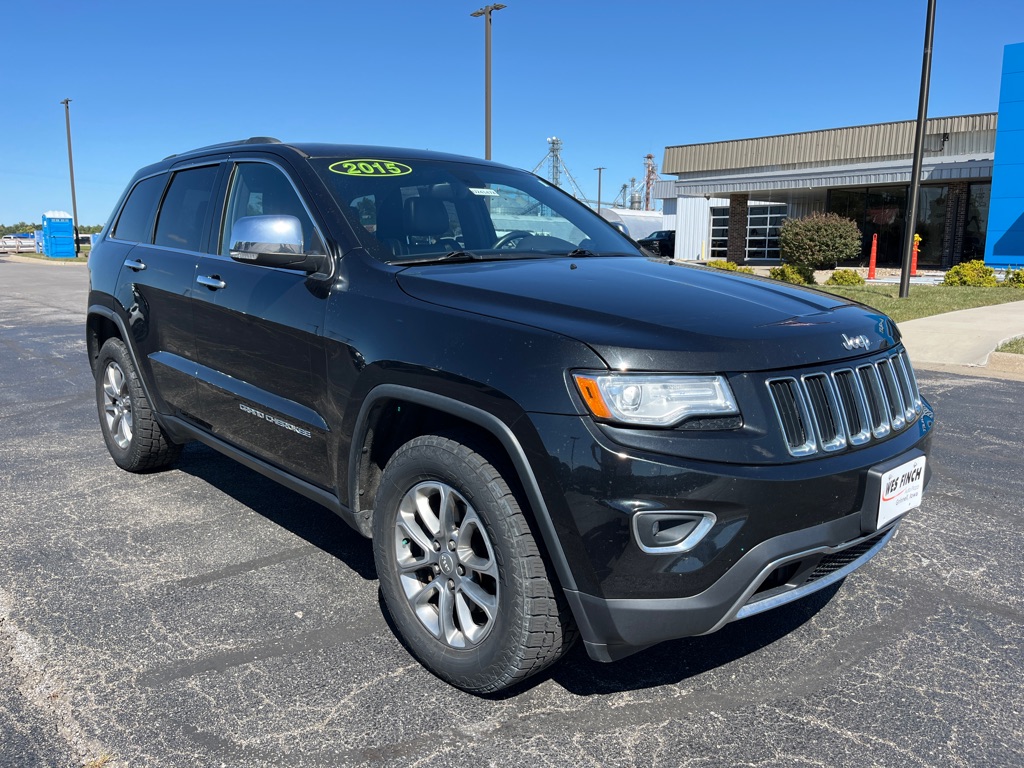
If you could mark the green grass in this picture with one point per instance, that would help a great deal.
(924, 300)
(1016, 346)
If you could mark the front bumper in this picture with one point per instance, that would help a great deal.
(776, 572)
(781, 532)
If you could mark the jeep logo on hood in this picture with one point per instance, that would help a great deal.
(856, 342)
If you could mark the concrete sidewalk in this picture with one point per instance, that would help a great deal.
(966, 338)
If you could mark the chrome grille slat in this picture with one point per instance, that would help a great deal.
(894, 398)
(827, 411)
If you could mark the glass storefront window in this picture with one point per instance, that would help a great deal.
(877, 211)
(977, 221)
(931, 223)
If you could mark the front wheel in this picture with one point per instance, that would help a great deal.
(460, 571)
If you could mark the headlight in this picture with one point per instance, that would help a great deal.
(655, 400)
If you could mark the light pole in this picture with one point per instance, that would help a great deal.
(599, 169)
(71, 166)
(915, 173)
(486, 13)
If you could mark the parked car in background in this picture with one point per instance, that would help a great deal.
(17, 244)
(662, 242)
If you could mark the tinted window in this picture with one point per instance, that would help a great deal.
(136, 219)
(258, 189)
(184, 209)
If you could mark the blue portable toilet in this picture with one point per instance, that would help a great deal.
(58, 235)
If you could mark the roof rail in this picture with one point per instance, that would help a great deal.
(250, 140)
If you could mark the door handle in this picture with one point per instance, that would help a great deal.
(213, 282)
(134, 265)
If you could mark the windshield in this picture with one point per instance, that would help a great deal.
(419, 209)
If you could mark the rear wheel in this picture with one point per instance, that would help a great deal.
(132, 434)
(460, 571)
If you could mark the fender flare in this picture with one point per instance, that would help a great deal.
(109, 314)
(493, 425)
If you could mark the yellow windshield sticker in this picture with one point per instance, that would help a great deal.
(367, 166)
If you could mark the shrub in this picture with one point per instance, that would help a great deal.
(973, 273)
(1014, 278)
(790, 273)
(730, 266)
(845, 277)
(819, 241)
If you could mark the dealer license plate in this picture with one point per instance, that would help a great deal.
(901, 490)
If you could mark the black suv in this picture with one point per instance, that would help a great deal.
(661, 243)
(545, 432)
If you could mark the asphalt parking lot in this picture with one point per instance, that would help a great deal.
(205, 616)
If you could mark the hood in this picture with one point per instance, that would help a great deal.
(643, 314)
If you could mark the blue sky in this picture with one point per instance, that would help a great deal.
(615, 81)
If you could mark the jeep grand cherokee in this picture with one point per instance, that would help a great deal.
(545, 432)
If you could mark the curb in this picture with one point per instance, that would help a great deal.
(35, 260)
(1006, 361)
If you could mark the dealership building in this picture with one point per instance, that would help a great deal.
(729, 198)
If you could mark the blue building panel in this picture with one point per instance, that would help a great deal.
(1010, 143)
(1004, 242)
(1012, 87)
(1011, 115)
(1011, 180)
(1013, 58)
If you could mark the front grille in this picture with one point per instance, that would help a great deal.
(827, 411)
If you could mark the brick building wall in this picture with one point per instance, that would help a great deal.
(737, 248)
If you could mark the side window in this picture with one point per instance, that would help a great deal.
(258, 189)
(184, 210)
(136, 220)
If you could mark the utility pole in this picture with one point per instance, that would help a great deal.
(599, 169)
(486, 13)
(71, 167)
(915, 173)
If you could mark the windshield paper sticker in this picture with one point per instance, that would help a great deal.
(483, 192)
(370, 167)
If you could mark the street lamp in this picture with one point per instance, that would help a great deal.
(599, 169)
(71, 166)
(486, 13)
(915, 173)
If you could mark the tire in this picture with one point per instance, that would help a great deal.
(461, 574)
(132, 434)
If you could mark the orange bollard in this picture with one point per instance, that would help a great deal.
(913, 256)
(874, 256)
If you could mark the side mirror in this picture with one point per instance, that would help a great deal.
(272, 241)
(621, 227)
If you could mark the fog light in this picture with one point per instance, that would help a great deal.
(660, 532)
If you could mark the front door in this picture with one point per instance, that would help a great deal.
(259, 338)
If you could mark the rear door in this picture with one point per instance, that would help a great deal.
(259, 335)
(161, 247)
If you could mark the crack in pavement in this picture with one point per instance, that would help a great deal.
(44, 693)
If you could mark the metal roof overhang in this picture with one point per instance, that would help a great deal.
(854, 175)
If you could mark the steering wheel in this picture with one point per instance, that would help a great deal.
(509, 240)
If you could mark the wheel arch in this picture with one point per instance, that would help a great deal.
(430, 413)
(102, 324)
